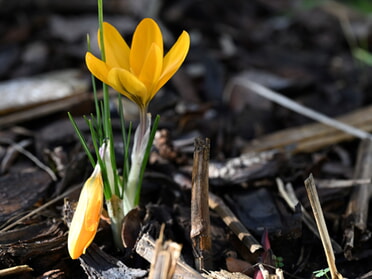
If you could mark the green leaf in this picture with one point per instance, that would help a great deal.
(363, 55)
(321, 272)
(125, 140)
(82, 140)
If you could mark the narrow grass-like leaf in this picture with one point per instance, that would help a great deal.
(94, 87)
(125, 141)
(363, 55)
(106, 190)
(82, 140)
(97, 129)
(106, 103)
(113, 160)
(100, 23)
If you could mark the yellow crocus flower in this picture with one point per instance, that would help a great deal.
(140, 71)
(86, 218)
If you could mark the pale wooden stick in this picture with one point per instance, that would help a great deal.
(15, 270)
(288, 194)
(342, 183)
(289, 104)
(229, 218)
(323, 232)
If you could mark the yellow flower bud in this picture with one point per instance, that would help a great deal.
(86, 218)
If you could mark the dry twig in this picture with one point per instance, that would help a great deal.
(229, 218)
(288, 194)
(357, 210)
(15, 270)
(33, 158)
(200, 221)
(288, 103)
(323, 232)
(341, 183)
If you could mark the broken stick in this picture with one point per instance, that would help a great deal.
(145, 247)
(200, 221)
(320, 222)
(357, 210)
(288, 194)
(166, 255)
(229, 218)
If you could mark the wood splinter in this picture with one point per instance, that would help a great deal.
(166, 255)
(146, 247)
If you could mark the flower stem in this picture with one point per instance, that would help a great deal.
(115, 212)
(130, 192)
(142, 128)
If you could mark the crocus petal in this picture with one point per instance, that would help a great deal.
(128, 84)
(146, 34)
(116, 49)
(86, 218)
(174, 59)
(152, 69)
(141, 71)
(97, 67)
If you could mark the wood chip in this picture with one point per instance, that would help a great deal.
(28, 98)
(16, 195)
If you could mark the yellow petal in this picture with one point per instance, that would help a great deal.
(94, 206)
(85, 221)
(128, 84)
(174, 59)
(151, 69)
(146, 34)
(116, 49)
(97, 67)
